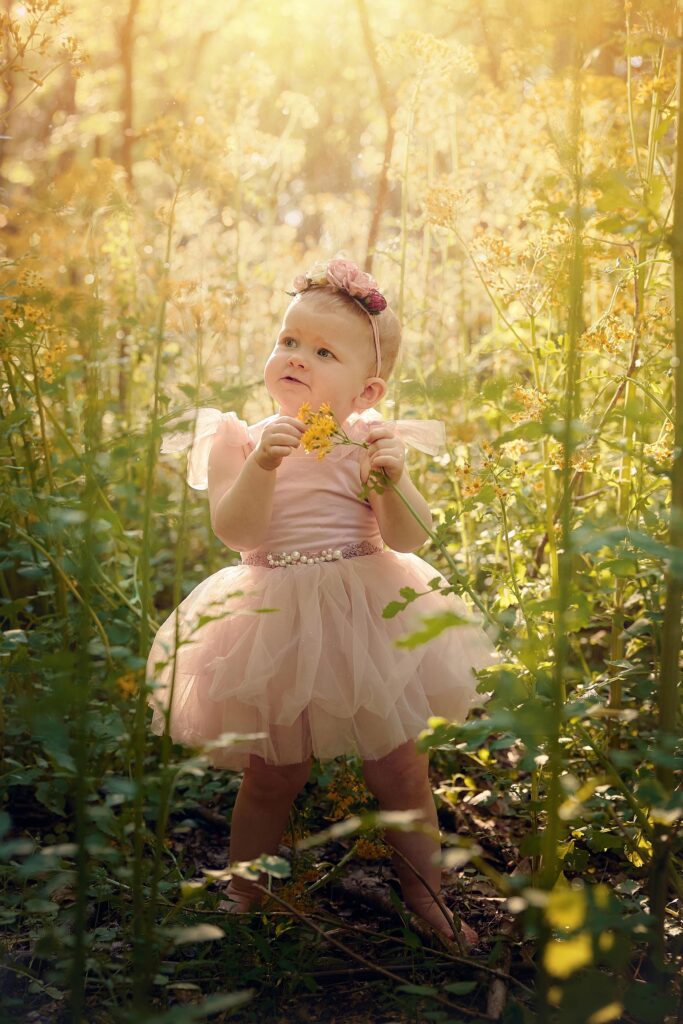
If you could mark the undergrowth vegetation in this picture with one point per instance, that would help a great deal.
(513, 178)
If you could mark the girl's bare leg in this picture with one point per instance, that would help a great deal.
(400, 781)
(259, 819)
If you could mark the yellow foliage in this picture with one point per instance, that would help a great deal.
(562, 957)
(612, 1011)
(566, 908)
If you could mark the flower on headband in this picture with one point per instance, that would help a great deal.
(347, 277)
(350, 278)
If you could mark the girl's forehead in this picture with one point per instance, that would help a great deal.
(320, 322)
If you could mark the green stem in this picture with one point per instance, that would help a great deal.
(444, 550)
(513, 576)
(547, 475)
(404, 239)
(142, 923)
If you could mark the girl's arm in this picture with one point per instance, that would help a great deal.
(240, 510)
(399, 528)
(397, 525)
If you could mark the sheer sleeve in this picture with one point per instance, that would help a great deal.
(428, 436)
(200, 428)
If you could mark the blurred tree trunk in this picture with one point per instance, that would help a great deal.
(488, 32)
(389, 108)
(127, 46)
(669, 679)
(670, 673)
(8, 81)
(65, 100)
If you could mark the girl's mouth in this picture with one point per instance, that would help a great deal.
(295, 380)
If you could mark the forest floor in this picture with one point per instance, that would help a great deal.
(349, 952)
(305, 977)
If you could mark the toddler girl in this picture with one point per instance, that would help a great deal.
(293, 646)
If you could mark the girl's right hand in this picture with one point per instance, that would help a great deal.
(278, 440)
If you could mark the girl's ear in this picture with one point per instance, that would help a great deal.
(374, 391)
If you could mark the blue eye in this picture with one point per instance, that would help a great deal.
(326, 350)
(285, 340)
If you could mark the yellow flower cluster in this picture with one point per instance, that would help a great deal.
(322, 427)
(371, 849)
(127, 684)
(514, 449)
(533, 401)
(345, 792)
(660, 450)
(662, 84)
(581, 459)
(424, 54)
(469, 485)
(26, 315)
(493, 250)
(442, 203)
(295, 893)
(609, 334)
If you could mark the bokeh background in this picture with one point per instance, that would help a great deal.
(508, 174)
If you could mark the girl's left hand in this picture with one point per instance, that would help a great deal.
(386, 452)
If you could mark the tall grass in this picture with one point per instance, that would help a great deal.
(533, 292)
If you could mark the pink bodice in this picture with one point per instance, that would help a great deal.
(316, 501)
(316, 504)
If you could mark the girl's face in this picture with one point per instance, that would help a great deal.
(319, 357)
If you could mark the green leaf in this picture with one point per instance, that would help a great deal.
(38, 906)
(433, 625)
(212, 1004)
(460, 988)
(418, 990)
(622, 567)
(531, 430)
(663, 127)
(194, 933)
(268, 863)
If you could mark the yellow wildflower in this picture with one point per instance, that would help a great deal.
(369, 849)
(127, 684)
(533, 401)
(469, 484)
(581, 458)
(322, 427)
(346, 793)
(422, 53)
(443, 203)
(660, 450)
(514, 449)
(608, 334)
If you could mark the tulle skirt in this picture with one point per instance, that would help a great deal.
(303, 655)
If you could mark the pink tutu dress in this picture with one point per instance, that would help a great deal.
(300, 652)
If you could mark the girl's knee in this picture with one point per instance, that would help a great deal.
(403, 773)
(276, 781)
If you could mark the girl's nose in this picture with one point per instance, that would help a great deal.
(296, 359)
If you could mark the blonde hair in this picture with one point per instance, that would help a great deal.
(328, 297)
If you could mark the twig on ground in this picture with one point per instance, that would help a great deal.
(361, 959)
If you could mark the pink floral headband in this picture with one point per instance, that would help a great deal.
(347, 277)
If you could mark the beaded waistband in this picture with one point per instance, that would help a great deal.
(285, 559)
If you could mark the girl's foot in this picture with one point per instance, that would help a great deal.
(239, 902)
(431, 914)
